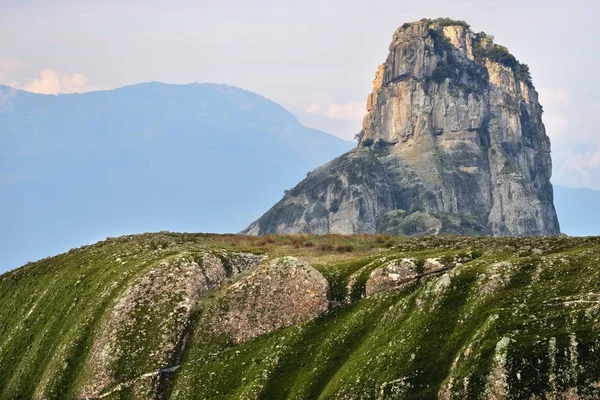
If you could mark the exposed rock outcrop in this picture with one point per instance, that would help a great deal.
(398, 273)
(283, 293)
(149, 321)
(392, 275)
(453, 132)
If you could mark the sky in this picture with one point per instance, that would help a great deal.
(316, 58)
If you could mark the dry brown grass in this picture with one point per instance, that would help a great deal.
(269, 238)
(330, 248)
(344, 248)
(325, 247)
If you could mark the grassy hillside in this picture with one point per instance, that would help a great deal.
(204, 316)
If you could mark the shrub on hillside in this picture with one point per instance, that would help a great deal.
(359, 136)
(452, 22)
(324, 247)
(368, 142)
(442, 72)
(344, 248)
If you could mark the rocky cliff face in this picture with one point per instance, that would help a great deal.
(452, 142)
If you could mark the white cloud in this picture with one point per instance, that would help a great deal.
(52, 82)
(572, 125)
(557, 124)
(582, 168)
(314, 108)
(350, 111)
(324, 111)
(17, 73)
(9, 68)
(12, 70)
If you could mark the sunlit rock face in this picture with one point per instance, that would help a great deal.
(453, 131)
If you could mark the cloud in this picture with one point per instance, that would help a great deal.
(582, 168)
(324, 111)
(17, 73)
(572, 124)
(350, 111)
(314, 108)
(52, 82)
(10, 67)
(558, 124)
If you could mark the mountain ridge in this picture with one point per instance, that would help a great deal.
(148, 157)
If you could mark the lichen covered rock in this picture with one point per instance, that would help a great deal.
(282, 293)
(141, 336)
(392, 275)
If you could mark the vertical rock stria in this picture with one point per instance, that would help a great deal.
(452, 142)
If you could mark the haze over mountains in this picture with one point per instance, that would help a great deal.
(200, 157)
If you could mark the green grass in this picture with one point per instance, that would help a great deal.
(408, 343)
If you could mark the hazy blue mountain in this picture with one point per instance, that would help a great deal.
(200, 157)
(578, 210)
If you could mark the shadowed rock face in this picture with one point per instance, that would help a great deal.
(453, 131)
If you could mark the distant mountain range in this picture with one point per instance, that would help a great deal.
(199, 158)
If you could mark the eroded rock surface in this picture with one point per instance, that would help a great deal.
(452, 142)
(282, 293)
(398, 273)
(140, 336)
(392, 275)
